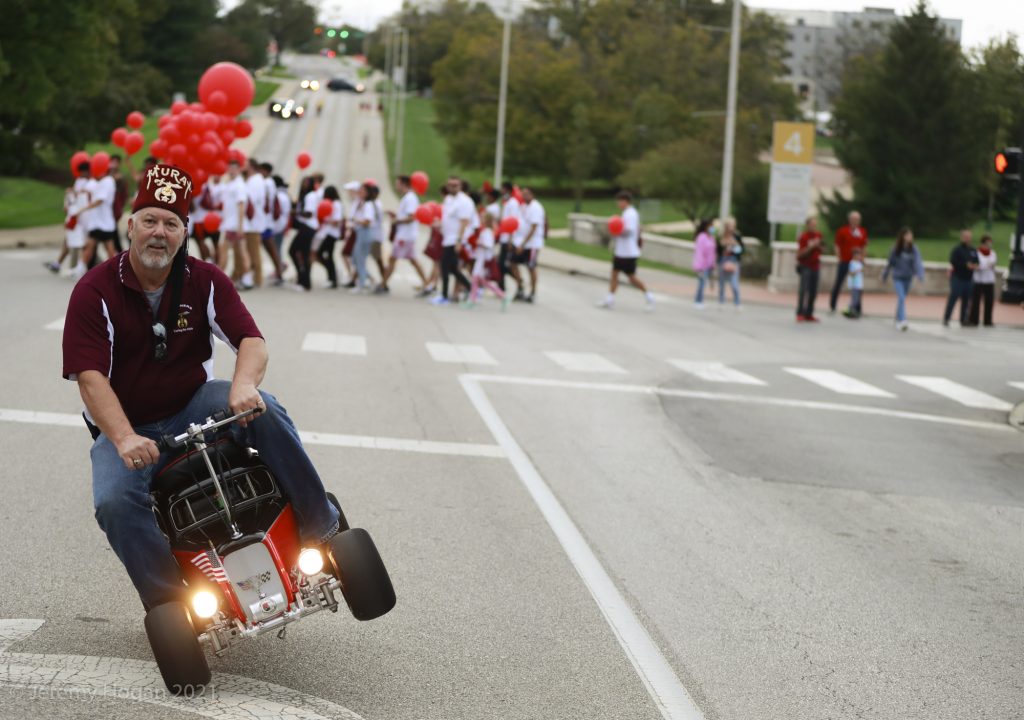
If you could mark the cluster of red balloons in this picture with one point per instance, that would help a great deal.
(197, 136)
(428, 212)
(615, 225)
(98, 163)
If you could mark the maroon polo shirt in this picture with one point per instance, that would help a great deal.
(109, 324)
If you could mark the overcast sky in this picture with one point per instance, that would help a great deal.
(982, 19)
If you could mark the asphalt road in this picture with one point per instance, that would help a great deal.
(576, 527)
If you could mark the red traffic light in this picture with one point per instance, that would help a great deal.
(1001, 163)
(1008, 162)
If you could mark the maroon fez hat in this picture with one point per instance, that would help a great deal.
(166, 187)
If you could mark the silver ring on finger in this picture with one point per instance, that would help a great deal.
(138, 462)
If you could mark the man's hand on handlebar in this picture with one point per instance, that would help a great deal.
(245, 397)
(137, 452)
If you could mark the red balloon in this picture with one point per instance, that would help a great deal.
(303, 159)
(170, 134)
(207, 152)
(133, 142)
(178, 107)
(210, 121)
(438, 210)
(199, 176)
(135, 119)
(238, 156)
(508, 226)
(158, 148)
(211, 222)
(228, 136)
(193, 141)
(233, 81)
(186, 121)
(615, 225)
(243, 129)
(197, 107)
(117, 137)
(77, 159)
(99, 164)
(517, 194)
(162, 121)
(177, 153)
(324, 209)
(220, 167)
(420, 182)
(425, 214)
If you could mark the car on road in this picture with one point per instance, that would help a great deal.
(285, 109)
(342, 85)
(313, 85)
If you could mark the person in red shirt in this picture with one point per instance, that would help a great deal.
(808, 266)
(848, 237)
(139, 340)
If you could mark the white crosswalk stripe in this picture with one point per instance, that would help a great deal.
(1018, 385)
(468, 354)
(837, 382)
(955, 391)
(716, 372)
(57, 324)
(332, 343)
(584, 362)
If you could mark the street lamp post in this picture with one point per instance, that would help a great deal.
(400, 122)
(499, 143)
(725, 204)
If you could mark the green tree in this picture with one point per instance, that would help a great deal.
(904, 129)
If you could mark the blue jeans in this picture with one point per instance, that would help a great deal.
(902, 286)
(703, 277)
(733, 278)
(361, 251)
(124, 509)
(959, 289)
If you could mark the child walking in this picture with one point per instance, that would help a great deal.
(483, 256)
(855, 282)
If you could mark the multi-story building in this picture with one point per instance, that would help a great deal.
(821, 43)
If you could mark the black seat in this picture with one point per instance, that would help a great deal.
(189, 468)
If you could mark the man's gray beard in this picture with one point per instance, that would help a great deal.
(150, 261)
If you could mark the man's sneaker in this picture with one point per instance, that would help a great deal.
(440, 300)
(810, 318)
(380, 290)
(52, 267)
(426, 292)
(801, 318)
(528, 299)
(698, 306)
(606, 304)
(902, 326)
(519, 296)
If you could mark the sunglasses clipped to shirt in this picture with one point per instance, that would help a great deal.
(159, 342)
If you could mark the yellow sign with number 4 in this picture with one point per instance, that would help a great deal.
(793, 143)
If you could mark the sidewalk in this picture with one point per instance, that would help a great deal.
(683, 288)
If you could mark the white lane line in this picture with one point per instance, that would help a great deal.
(837, 382)
(85, 677)
(744, 399)
(955, 391)
(57, 324)
(658, 677)
(716, 372)
(584, 362)
(468, 354)
(429, 447)
(366, 442)
(1018, 385)
(324, 342)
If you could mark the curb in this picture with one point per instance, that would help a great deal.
(1016, 418)
(44, 236)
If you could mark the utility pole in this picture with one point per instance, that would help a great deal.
(499, 143)
(396, 42)
(400, 123)
(725, 205)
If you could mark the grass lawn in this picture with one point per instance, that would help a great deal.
(425, 150)
(28, 203)
(935, 249)
(264, 90)
(280, 71)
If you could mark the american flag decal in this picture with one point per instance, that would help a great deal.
(209, 564)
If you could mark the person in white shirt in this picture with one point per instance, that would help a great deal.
(327, 235)
(627, 252)
(273, 211)
(456, 215)
(404, 230)
(76, 198)
(511, 242)
(233, 199)
(483, 265)
(284, 215)
(256, 190)
(367, 219)
(306, 225)
(102, 225)
(984, 288)
(534, 223)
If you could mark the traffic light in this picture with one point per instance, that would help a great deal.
(1008, 163)
(331, 32)
(343, 34)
